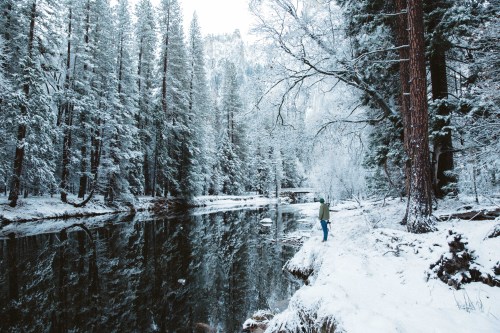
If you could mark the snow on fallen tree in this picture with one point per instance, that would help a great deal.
(481, 215)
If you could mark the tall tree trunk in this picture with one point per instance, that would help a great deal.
(443, 148)
(164, 78)
(22, 127)
(155, 163)
(84, 162)
(111, 191)
(66, 152)
(147, 177)
(420, 200)
(95, 152)
(68, 120)
(164, 179)
(83, 117)
(141, 122)
(404, 77)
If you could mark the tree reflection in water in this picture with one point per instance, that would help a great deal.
(164, 274)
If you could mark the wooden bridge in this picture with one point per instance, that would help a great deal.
(297, 194)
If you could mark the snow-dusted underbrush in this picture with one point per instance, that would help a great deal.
(458, 266)
(374, 276)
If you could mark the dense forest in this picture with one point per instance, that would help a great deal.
(414, 83)
(355, 98)
(104, 99)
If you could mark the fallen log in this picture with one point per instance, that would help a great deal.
(477, 215)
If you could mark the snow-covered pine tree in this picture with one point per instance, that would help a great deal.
(472, 29)
(9, 28)
(67, 96)
(232, 140)
(176, 159)
(104, 93)
(124, 173)
(5, 88)
(83, 75)
(200, 113)
(35, 45)
(444, 181)
(375, 49)
(146, 47)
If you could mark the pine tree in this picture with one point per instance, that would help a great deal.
(200, 120)
(232, 138)
(82, 81)
(125, 172)
(174, 131)
(33, 161)
(104, 94)
(5, 90)
(441, 108)
(146, 39)
(66, 109)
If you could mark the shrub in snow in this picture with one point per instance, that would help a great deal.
(457, 266)
(305, 262)
(495, 232)
(258, 322)
(302, 320)
(302, 274)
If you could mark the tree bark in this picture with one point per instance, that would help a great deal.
(83, 117)
(164, 95)
(443, 164)
(404, 78)
(22, 127)
(420, 200)
(68, 120)
(443, 147)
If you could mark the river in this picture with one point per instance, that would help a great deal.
(147, 273)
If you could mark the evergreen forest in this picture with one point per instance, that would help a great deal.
(364, 98)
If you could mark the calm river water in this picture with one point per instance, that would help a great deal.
(146, 274)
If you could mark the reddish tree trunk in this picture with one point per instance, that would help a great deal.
(420, 200)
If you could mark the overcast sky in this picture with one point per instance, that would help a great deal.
(218, 16)
(215, 16)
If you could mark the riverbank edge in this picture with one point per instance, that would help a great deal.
(315, 263)
(47, 208)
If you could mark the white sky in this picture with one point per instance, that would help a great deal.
(215, 16)
(218, 16)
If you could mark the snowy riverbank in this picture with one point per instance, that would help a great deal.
(373, 276)
(40, 208)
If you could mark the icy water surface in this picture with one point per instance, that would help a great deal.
(146, 274)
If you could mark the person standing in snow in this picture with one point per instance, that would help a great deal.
(324, 217)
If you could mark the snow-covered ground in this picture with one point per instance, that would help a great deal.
(373, 276)
(43, 214)
(37, 208)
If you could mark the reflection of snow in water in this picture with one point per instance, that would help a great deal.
(266, 222)
(220, 254)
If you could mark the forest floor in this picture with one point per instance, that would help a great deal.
(371, 275)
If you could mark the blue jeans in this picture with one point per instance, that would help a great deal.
(324, 225)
